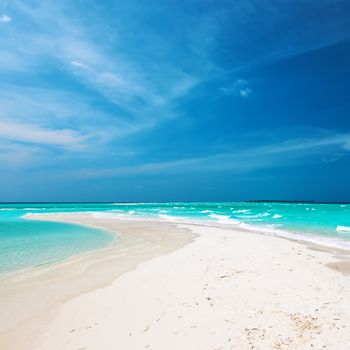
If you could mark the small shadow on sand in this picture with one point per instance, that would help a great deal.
(340, 266)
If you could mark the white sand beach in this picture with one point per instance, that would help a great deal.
(184, 286)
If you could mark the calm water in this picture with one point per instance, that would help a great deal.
(26, 243)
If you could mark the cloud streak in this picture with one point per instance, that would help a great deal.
(17, 156)
(244, 160)
(133, 84)
(68, 139)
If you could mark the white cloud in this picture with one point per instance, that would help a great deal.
(78, 64)
(35, 134)
(238, 88)
(245, 92)
(5, 19)
(63, 120)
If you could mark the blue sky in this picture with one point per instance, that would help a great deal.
(174, 100)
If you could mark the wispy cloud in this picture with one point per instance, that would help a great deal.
(17, 156)
(69, 139)
(246, 92)
(5, 19)
(78, 64)
(289, 152)
(39, 109)
(122, 80)
(240, 88)
(74, 80)
(318, 143)
(131, 93)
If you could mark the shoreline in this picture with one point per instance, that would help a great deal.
(339, 251)
(79, 274)
(32, 268)
(326, 241)
(52, 321)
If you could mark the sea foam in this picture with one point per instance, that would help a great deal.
(224, 219)
(343, 228)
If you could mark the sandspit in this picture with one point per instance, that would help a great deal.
(194, 287)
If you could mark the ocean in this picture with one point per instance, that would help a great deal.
(26, 243)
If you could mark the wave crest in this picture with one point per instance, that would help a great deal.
(343, 228)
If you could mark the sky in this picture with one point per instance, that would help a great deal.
(186, 100)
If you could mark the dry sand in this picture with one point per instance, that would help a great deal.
(227, 289)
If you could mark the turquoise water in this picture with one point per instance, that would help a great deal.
(26, 243)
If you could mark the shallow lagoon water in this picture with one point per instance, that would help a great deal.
(26, 243)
